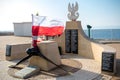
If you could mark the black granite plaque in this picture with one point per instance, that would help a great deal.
(8, 50)
(74, 41)
(68, 41)
(107, 62)
(71, 41)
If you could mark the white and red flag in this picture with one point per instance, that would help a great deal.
(47, 27)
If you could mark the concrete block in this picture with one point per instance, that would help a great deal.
(16, 51)
(27, 72)
(50, 50)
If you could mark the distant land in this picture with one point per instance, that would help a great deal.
(3, 33)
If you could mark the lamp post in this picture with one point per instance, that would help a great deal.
(89, 27)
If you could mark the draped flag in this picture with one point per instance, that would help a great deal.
(42, 26)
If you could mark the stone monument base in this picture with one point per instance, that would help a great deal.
(68, 64)
(50, 50)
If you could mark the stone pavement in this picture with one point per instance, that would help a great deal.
(90, 71)
(86, 62)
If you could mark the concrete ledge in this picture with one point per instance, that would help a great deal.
(16, 51)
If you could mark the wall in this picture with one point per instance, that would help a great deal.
(86, 47)
(115, 45)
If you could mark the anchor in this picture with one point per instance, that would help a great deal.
(36, 52)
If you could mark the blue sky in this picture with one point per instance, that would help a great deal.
(97, 13)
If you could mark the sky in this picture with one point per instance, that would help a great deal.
(99, 14)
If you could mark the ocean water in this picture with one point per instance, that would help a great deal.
(107, 34)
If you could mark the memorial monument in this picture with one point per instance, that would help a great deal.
(72, 41)
(75, 41)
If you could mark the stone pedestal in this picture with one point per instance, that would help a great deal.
(50, 50)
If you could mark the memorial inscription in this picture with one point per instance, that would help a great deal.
(74, 41)
(71, 41)
(107, 62)
(8, 50)
(68, 41)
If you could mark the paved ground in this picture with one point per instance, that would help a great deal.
(90, 70)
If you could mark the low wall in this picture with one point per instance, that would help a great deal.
(114, 44)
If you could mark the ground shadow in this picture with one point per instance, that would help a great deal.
(67, 67)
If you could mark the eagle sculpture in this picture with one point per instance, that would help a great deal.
(73, 14)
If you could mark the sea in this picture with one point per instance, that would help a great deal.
(105, 34)
(102, 34)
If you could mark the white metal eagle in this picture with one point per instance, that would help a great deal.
(73, 14)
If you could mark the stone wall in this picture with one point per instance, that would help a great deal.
(86, 47)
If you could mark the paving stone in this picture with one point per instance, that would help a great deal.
(27, 72)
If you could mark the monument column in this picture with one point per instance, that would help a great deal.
(69, 39)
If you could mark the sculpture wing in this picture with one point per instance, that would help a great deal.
(76, 7)
(69, 7)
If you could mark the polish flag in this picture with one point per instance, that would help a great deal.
(36, 21)
(44, 26)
